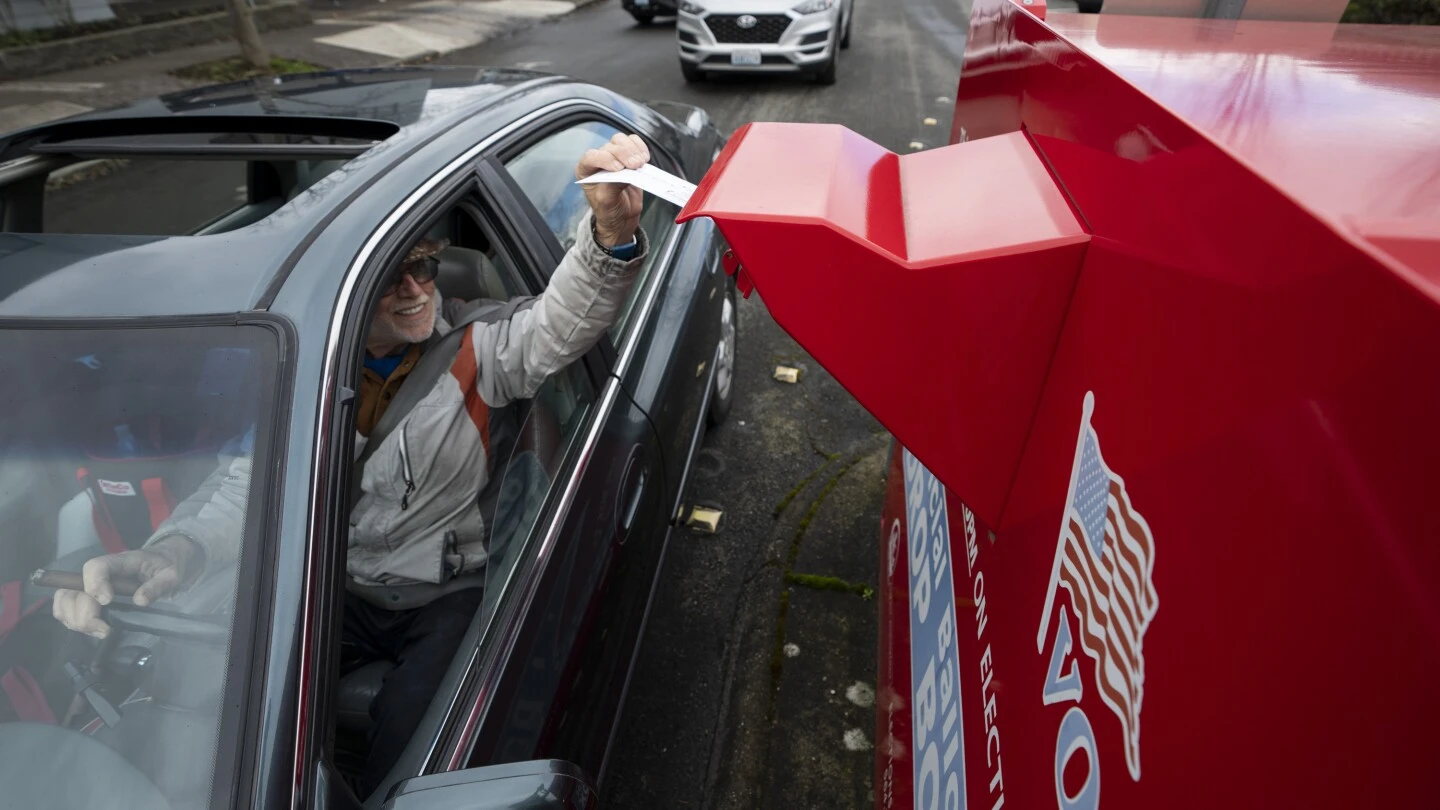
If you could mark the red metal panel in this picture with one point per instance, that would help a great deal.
(1263, 379)
(1344, 118)
(860, 256)
(1341, 118)
(1242, 376)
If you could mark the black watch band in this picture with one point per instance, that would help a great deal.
(595, 237)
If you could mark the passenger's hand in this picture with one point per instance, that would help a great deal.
(159, 568)
(616, 205)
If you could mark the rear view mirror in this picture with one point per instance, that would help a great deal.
(535, 785)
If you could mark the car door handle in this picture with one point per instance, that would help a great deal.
(632, 492)
(634, 506)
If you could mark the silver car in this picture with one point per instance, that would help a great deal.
(780, 36)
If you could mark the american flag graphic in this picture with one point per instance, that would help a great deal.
(1106, 562)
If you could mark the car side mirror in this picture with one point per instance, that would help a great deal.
(536, 785)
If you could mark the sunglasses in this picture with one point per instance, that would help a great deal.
(422, 270)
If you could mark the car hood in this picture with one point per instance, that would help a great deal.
(749, 6)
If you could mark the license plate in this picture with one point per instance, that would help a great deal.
(642, 3)
(744, 57)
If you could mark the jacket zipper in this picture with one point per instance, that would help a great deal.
(405, 470)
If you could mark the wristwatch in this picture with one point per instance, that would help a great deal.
(624, 252)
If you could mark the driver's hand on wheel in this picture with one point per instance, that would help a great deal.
(158, 568)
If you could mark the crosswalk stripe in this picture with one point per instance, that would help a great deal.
(441, 26)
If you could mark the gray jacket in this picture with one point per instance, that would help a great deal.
(417, 519)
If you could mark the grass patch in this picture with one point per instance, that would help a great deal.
(820, 583)
(19, 39)
(235, 68)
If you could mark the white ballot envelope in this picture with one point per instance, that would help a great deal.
(649, 178)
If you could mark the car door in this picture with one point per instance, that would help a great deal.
(571, 588)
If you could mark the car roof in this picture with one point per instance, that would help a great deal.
(66, 275)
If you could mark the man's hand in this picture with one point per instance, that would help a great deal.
(159, 568)
(616, 205)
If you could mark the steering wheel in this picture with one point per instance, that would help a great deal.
(122, 613)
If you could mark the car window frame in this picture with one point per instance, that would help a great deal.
(269, 449)
(330, 468)
(327, 543)
(524, 260)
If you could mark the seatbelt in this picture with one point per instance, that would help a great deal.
(438, 357)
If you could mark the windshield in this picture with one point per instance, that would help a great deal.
(120, 442)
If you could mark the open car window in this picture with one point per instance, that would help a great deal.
(527, 444)
(114, 438)
(472, 266)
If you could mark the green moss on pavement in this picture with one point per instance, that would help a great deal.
(236, 68)
(822, 583)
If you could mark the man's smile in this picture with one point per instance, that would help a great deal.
(407, 311)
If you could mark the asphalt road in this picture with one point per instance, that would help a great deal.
(755, 683)
(901, 69)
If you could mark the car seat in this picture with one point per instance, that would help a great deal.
(468, 275)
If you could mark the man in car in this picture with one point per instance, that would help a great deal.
(417, 536)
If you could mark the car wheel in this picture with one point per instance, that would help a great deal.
(849, 23)
(723, 393)
(827, 73)
(691, 73)
(643, 17)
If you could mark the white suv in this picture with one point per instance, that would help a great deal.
(783, 36)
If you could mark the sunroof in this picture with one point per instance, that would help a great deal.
(172, 175)
(190, 131)
(209, 144)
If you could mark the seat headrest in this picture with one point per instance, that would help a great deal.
(459, 274)
(468, 275)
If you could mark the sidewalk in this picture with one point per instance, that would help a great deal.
(357, 33)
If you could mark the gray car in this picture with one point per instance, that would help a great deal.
(186, 282)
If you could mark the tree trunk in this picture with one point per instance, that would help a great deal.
(248, 36)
